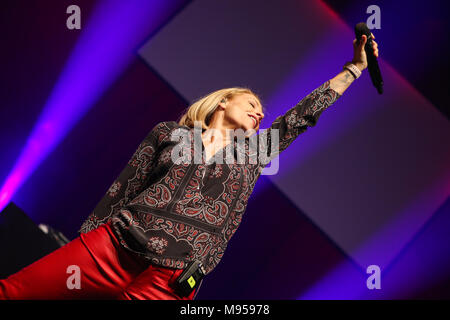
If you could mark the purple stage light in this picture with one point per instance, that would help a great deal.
(107, 45)
(357, 173)
(385, 244)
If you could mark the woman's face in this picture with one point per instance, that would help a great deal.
(243, 111)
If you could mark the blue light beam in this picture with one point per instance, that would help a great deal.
(107, 45)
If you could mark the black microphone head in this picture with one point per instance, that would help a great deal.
(360, 29)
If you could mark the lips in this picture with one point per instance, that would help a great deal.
(255, 121)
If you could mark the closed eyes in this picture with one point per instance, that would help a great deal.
(252, 103)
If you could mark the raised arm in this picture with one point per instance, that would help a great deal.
(286, 128)
(306, 113)
(344, 79)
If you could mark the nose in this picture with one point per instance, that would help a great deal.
(260, 116)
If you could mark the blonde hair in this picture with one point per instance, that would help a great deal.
(202, 109)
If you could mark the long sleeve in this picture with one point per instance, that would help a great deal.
(130, 182)
(296, 121)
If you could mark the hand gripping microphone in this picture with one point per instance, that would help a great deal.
(372, 62)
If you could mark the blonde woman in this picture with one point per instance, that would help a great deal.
(164, 224)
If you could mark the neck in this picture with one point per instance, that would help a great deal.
(218, 130)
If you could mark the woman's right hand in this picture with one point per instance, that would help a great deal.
(359, 54)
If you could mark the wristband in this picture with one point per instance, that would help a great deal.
(353, 69)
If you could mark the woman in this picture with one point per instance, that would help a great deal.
(163, 213)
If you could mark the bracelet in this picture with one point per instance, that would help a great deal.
(353, 69)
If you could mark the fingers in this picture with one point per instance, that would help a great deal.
(375, 48)
(374, 45)
(363, 41)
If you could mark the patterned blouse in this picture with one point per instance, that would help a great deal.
(171, 212)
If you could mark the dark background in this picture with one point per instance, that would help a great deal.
(61, 193)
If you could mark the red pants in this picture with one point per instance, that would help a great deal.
(93, 266)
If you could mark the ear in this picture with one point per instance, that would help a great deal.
(222, 104)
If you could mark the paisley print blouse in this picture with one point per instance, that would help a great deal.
(172, 212)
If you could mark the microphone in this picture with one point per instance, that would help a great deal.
(372, 62)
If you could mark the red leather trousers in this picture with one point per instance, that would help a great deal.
(93, 266)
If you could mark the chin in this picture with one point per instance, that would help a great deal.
(254, 130)
(246, 128)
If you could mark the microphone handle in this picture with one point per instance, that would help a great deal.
(372, 62)
(372, 65)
